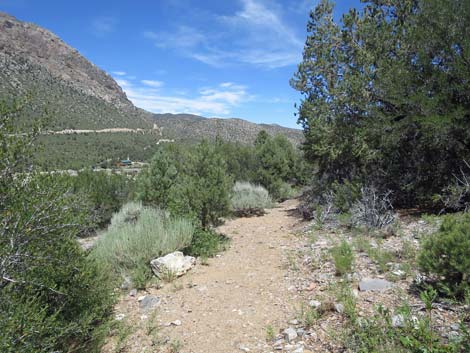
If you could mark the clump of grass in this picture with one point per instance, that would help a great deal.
(137, 235)
(249, 199)
(343, 257)
(270, 334)
(307, 315)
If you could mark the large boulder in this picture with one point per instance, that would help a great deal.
(175, 263)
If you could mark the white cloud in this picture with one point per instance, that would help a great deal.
(255, 35)
(120, 73)
(217, 100)
(152, 83)
(183, 37)
(103, 25)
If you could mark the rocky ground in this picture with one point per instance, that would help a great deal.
(276, 290)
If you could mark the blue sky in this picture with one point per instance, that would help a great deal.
(213, 58)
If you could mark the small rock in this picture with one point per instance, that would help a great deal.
(398, 321)
(243, 348)
(133, 293)
(149, 302)
(290, 334)
(300, 332)
(176, 323)
(453, 335)
(315, 304)
(126, 283)
(299, 350)
(294, 322)
(339, 308)
(374, 284)
(120, 317)
(399, 273)
(455, 327)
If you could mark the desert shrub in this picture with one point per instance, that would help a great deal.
(249, 199)
(286, 191)
(412, 334)
(373, 209)
(52, 297)
(105, 193)
(343, 257)
(137, 235)
(278, 165)
(193, 184)
(456, 196)
(206, 243)
(445, 255)
(345, 194)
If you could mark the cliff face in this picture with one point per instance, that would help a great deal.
(54, 77)
(27, 41)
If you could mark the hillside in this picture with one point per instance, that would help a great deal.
(35, 62)
(50, 76)
(189, 127)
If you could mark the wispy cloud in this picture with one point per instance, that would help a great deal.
(255, 35)
(119, 73)
(152, 83)
(218, 100)
(104, 25)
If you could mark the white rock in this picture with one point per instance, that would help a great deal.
(120, 317)
(339, 308)
(290, 334)
(314, 304)
(176, 263)
(398, 321)
(176, 323)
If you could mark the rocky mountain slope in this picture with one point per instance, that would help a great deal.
(48, 75)
(36, 63)
(193, 127)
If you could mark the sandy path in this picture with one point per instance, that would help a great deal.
(227, 306)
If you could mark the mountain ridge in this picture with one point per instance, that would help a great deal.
(77, 95)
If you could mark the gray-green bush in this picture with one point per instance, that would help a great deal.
(249, 198)
(137, 235)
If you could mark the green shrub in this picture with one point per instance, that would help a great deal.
(206, 243)
(105, 194)
(445, 255)
(286, 192)
(191, 184)
(248, 198)
(343, 257)
(413, 334)
(137, 235)
(52, 297)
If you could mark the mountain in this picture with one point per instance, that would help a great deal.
(48, 75)
(189, 127)
(36, 63)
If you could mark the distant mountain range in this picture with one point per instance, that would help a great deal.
(36, 64)
(189, 127)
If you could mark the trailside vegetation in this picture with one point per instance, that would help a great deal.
(52, 296)
(386, 98)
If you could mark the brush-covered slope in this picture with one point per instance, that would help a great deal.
(187, 127)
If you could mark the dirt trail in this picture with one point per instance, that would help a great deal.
(227, 306)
